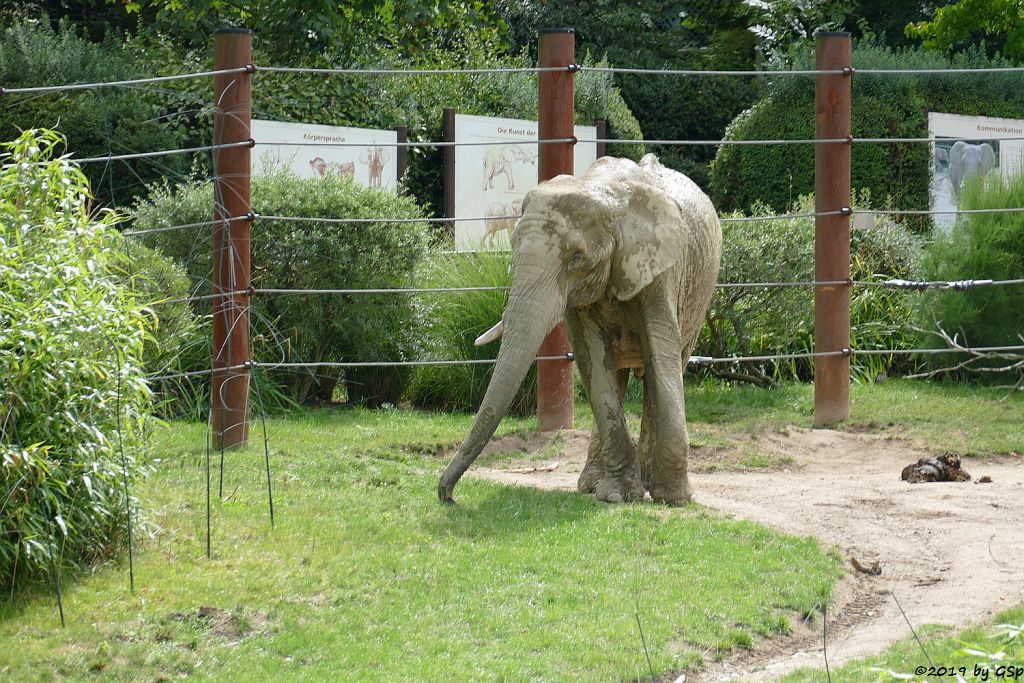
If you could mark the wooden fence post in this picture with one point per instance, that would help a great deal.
(832, 233)
(402, 155)
(448, 135)
(232, 123)
(556, 99)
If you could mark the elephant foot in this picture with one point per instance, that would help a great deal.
(593, 472)
(619, 489)
(673, 495)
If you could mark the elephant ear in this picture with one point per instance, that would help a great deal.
(649, 239)
(988, 157)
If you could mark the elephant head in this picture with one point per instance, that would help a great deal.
(580, 242)
(969, 161)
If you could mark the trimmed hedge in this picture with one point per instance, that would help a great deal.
(311, 255)
(883, 106)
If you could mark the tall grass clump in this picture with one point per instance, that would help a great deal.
(72, 335)
(449, 325)
(979, 246)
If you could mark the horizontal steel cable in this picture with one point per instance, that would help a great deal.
(397, 290)
(308, 219)
(185, 226)
(921, 285)
(429, 144)
(927, 212)
(112, 84)
(806, 141)
(696, 360)
(420, 72)
(698, 72)
(163, 153)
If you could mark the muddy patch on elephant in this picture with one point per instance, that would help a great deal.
(944, 549)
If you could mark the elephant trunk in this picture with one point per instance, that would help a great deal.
(535, 305)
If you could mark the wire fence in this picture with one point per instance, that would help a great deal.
(234, 302)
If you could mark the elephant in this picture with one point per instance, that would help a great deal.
(498, 217)
(967, 161)
(501, 161)
(629, 255)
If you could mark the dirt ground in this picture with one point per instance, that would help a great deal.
(949, 552)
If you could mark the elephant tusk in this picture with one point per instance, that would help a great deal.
(491, 334)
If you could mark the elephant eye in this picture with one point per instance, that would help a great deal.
(576, 263)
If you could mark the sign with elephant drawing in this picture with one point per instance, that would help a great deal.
(371, 161)
(492, 179)
(969, 147)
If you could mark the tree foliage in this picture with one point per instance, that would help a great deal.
(998, 24)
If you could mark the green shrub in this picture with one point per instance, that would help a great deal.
(982, 245)
(449, 323)
(180, 339)
(765, 321)
(71, 344)
(95, 122)
(311, 255)
(883, 106)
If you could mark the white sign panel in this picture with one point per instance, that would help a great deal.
(967, 147)
(491, 180)
(371, 161)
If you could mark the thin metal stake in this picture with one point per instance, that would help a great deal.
(266, 441)
(124, 478)
(209, 435)
(53, 565)
(906, 619)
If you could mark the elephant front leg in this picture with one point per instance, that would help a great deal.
(620, 480)
(593, 471)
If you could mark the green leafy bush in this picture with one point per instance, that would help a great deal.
(72, 337)
(883, 106)
(180, 339)
(311, 255)
(450, 323)
(95, 122)
(981, 245)
(764, 321)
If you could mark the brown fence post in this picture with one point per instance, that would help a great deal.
(832, 233)
(232, 123)
(448, 135)
(602, 134)
(556, 99)
(402, 154)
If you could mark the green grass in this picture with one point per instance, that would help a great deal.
(367, 577)
(969, 420)
(944, 649)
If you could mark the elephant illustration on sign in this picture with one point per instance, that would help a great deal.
(501, 161)
(321, 167)
(375, 158)
(628, 254)
(500, 216)
(968, 160)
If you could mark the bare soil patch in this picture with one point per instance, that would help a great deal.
(950, 551)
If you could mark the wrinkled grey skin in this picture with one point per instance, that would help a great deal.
(628, 254)
(967, 161)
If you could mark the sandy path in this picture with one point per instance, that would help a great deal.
(950, 552)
